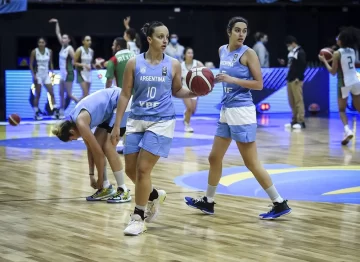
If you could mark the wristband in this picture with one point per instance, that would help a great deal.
(91, 174)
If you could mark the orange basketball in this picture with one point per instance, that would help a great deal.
(14, 119)
(200, 80)
(327, 53)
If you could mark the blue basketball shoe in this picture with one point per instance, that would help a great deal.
(201, 204)
(277, 210)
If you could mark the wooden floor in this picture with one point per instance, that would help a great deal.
(44, 215)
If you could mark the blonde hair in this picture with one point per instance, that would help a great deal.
(62, 130)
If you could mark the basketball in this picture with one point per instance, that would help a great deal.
(200, 80)
(99, 62)
(327, 53)
(14, 119)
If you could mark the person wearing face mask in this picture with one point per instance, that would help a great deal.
(295, 78)
(174, 49)
(260, 49)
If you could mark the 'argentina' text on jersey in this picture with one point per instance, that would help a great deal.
(153, 88)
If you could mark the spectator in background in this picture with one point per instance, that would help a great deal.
(260, 49)
(295, 78)
(174, 49)
(132, 38)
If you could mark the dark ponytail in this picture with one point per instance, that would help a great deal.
(350, 37)
(148, 28)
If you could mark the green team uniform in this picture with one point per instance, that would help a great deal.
(116, 66)
(65, 65)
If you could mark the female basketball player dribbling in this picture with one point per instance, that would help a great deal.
(343, 64)
(40, 60)
(190, 103)
(155, 77)
(84, 56)
(240, 72)
(66, 60)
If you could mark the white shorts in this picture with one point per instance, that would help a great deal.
(154, 137)
(63, 75)
(238, 123)
(43, 78)
(86, 75)
(354, 89)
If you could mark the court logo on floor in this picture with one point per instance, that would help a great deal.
(337, 184)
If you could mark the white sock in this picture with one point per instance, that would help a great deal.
(55, 106)
(120, 179)
(346, 128)
(36, 109)
(274, 195)
(210, 193)
(123, 186)
(106, 184)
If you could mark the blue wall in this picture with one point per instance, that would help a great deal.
(319, 88)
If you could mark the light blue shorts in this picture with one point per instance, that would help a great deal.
(154, 137)
(238, 123)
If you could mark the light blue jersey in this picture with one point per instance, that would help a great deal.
(100, 105)
(238, 114)
(152, 98)
(234, 95)
(151, 123)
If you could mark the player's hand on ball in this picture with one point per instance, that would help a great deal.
(115, 136)
(322, 58)
(223, 78)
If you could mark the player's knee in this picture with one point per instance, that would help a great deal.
(142, 172)
(214, 159)
(130, 170)
(251, 164)
(108, 147)
(342, 109)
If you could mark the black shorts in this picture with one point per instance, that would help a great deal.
(110, 128)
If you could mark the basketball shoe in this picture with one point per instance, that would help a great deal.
(348, 135)
(200, 203)
(120, 197)
(136, 226)
(153, 207)
(277, 210)
(101, 194)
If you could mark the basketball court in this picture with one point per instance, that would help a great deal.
(45, 217)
